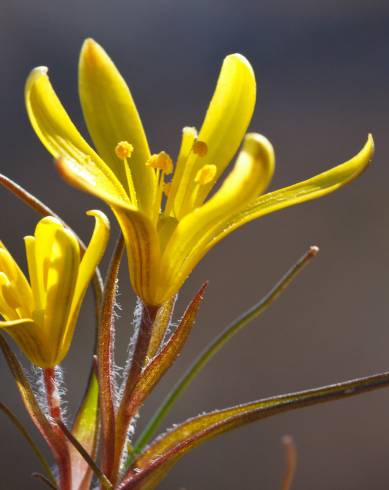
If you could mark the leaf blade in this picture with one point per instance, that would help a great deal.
(154, 463)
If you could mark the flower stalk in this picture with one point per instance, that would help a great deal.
(124, 413)
(105, 360)
(52, 394)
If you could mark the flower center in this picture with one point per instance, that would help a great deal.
(163, 165)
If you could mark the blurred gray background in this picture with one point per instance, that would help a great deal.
(323, 74)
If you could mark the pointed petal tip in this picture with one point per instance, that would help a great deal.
(40, 70)
(100, 216)
(240, 58)
(89, 42)
(242, 63)
(91, 52)
(370, 144)
(260, 146)
(34, 75)
(365, 155)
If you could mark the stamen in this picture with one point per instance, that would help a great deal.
(124, 150)
(161, 161)
(206, 174)
(166, 188)
(200, 148)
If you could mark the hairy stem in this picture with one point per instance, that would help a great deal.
(124, 415)
(54, 408)
(104, 360)
(217, 344)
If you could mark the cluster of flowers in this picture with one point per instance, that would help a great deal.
(170, 216)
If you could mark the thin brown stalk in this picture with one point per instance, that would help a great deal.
(24, 432)
(54, 408)
(27, 394)
(159, 365)
(45, 480)
(52, 397)
(124, 415)
(106, 484)
(104, 360)
(290, 462)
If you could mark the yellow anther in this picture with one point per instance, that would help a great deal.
(124, 150)
(161, 161)
(200, 148)
(166, 187)
(206, 174)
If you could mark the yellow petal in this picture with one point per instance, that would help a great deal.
(251, 173)
(143, 252)
(89, 262)
(87, 177)
(7, 307)
(36, 278)
(93, 253)
(186, 248)
(139, 232)
(189, 135)
(315, 187)
(63, 260)
(224, 126)
(38, 251)
(26, 334)
(21, 287)
(59, 135)
(111, 117)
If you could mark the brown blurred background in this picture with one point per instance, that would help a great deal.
(323, 74)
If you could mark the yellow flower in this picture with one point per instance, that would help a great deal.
(40, 314)
(169, 226)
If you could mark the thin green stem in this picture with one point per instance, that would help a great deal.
(216, 345)
(34, 447)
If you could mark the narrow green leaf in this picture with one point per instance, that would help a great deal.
(153, 465)
(215, 346)
(85, 430)
(29, 439)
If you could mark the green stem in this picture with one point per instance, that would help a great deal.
(215, 346)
